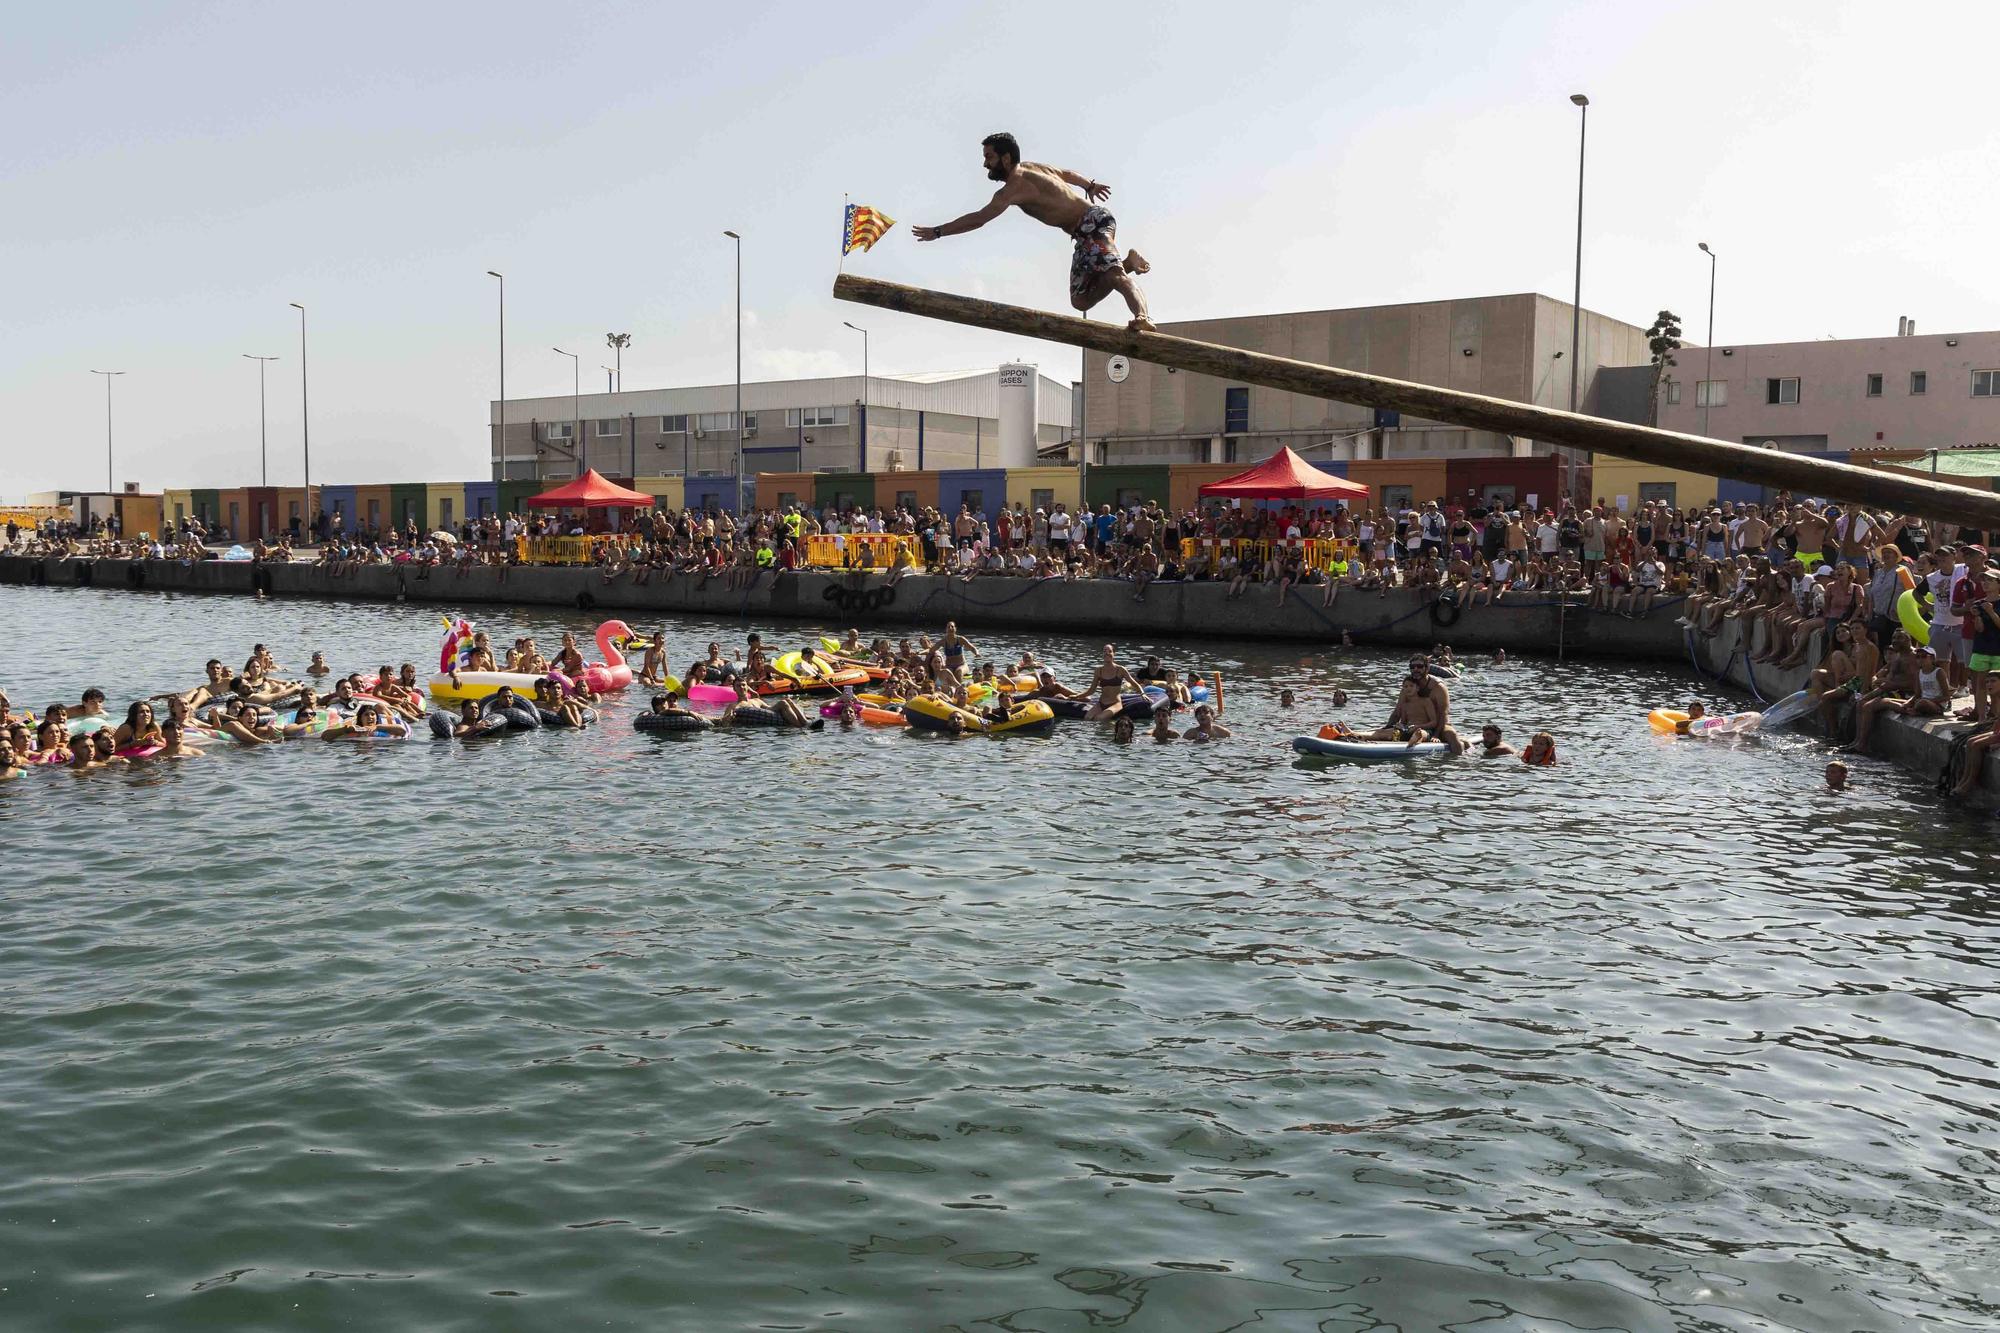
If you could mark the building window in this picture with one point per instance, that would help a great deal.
(788, 499)
(556, 430)
(1657, 492)
(609, 426)
(675, 425)
(1781, 391)
(907, 500)
(1919, 381)
(1711, 393)
(974, 501)
(707, 421)
(444, 511)
(812, 417)
(1673, 393)
(1396, 499)
(1235, 411)
(749, 423)
(1044, 500)
(1986, 384)
(1874, 386)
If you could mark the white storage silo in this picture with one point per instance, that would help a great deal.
(1020, 409)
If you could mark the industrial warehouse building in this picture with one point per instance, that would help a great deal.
(1502, 346)
(881, 423)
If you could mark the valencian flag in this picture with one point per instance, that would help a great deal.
(864, 226)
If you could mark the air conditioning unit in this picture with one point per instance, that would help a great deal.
(699, 433)
(749, 431)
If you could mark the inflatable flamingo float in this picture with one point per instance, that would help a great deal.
(614, 672)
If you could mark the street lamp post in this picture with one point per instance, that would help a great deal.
(305, 411)
(1707, 390)
(618, 342)
(577, 446)
(609, 372)
(503, 370)
(110, 488)
(736, 504)
(864, 392)
(1576, 305)
(263, 439)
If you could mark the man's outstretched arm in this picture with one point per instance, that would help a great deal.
(1093, 190)
(972, 221)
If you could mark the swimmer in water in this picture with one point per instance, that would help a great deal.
(1836, 777)
(1205, 727)
(1286, 698)
(318, 666)
(212, 690)
(1111, 682)
(1122, 728)
(138, 729)
(1696, 711)
(1490, 744)
(1163, 724)
(11, 766)
(173, 742)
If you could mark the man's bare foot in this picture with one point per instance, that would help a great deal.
(1136, 262)
(1142, 325)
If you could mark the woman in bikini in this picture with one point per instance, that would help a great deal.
(1111, 682)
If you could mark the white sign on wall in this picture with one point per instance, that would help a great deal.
(1118, 368)
(1013, 379)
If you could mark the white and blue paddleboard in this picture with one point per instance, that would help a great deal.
(1351, 749)
(1787, 710)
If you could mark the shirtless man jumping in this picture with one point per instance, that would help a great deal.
(1045, 194)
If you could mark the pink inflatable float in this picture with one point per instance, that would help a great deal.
(613, 673)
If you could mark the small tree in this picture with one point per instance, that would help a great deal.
(1664, 338)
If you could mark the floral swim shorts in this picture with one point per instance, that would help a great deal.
(1096, 249)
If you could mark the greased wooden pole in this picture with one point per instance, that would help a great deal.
(1645, 444)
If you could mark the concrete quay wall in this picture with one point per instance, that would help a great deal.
(1090, 607)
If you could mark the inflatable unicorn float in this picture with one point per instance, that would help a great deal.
(455, 654)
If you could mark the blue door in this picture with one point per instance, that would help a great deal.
(1236, 411)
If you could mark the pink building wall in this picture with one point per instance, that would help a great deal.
(1833, 399)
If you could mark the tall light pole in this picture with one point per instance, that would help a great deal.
(1576, 305)
(503, 370)
(864, 392)
(618, 342)
(110, 488)
(736, 504)
(577, 446)
(305, 412)
(1708, 389)
(263, 439)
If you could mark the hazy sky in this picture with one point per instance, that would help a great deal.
(178, 173)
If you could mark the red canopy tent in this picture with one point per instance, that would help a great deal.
(1285, 476)
(590, 491)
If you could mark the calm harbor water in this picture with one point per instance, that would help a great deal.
(870, 1031)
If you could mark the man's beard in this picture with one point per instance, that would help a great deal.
(996, 173)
